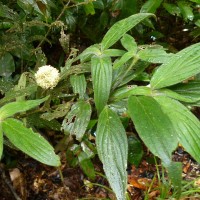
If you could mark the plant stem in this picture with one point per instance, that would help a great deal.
(61, 175)
(59, 16)
(122, 76)
(96, 184)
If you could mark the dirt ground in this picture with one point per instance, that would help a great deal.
(31, 180)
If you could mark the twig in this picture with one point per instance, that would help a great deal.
(59, 16)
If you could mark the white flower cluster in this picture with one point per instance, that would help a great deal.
(47, 77)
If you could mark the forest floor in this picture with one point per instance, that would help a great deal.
(31, 180)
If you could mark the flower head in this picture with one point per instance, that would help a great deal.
(47, 77)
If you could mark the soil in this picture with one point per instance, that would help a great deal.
(31, 180)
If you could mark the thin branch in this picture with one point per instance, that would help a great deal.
(59, 16)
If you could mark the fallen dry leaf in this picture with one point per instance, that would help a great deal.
(18, 181)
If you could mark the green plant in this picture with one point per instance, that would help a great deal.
(100, 85)
(23, 138)
(184, 15)
(28, 28)
(160, 115)
(166, 191)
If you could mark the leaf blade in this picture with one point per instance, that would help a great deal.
(78, 83)
(10, 109)
(154, 55)
(157, 132)
(128, 42)
(30, 142)
(180, 66)
(175, 174)
(101, 80)
(186, 125)
(121, 27)
(150, 6)
(112, 149)
(76, 121)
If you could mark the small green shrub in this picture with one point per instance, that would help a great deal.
(95, 89)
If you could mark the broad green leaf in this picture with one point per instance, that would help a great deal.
(172, 9)
(35, 120)
(148, 23)
(126, 57)
(179, 67)
(86, 165)
(1, 141)
(120, 28)
(128, 42)
(7, 65)
(138, 74)
(76, 69)
(135, 151)
(10, 109)
(125, 92)
(101, 68)
(150, 6)
(78, 83)
(189, 90)
(104, 19)
(153, 126)
(30, 142)
(114, 52)
(119, 107)
(112, 147)
(174, 95)
(174, 170)
(89, 8)
(5, 85)
(12, 94)
(154, 55)
(185, 125)
(60, 111)
(186, 10)
(197, 104)
(76, 121)
(89, 52)
(129, 7)
(21, 85)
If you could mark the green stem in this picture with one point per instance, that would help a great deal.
(96, 184)
(122, 76)
(61, 175)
